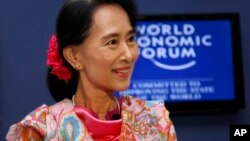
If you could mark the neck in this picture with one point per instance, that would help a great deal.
(96, 100)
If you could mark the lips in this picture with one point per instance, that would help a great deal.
(122, 72)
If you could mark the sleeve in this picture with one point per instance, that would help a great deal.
(32, 127)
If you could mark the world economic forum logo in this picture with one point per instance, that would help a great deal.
(170, 46)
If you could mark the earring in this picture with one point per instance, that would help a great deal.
(78, 67)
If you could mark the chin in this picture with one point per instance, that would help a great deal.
(122, 86)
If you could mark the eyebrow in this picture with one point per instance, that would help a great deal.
(132, 31)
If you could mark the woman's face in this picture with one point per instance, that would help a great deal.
(109, 53)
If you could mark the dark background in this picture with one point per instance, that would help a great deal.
(25, 29)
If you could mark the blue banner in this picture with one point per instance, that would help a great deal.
(183, 61)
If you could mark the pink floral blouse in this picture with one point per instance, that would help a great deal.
(140, 121)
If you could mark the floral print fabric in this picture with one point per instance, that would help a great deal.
(141, 121)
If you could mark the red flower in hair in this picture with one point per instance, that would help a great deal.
(55, 61)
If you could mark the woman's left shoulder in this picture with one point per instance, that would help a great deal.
(151, 115)
(138, 105)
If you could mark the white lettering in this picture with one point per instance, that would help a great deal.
(239, 132)
(144, 41)
(163, 53)
(188, 41)
(148, 53)
(188, 29)
(176, 30)
(206, 40)
(141, 29)
(173, 41)
(188, 53)
(174, 54)
(166, 29)
(157, 41)
(243, 131)
(153, 30)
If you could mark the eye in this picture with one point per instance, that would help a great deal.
(131, 40)
(112, 42)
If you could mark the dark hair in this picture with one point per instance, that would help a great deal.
(73, 25)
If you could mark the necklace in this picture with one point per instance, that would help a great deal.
(117, 102)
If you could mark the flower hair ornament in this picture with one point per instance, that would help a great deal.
(55, 61)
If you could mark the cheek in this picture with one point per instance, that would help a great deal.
(102, 63)
(100, 57)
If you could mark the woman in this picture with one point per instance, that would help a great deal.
(91, 56)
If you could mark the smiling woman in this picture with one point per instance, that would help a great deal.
(91, 56)
(108, 54)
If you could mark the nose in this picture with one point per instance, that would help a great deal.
(127, 53)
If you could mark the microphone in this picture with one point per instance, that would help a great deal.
(115, 117)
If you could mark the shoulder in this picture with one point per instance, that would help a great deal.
(138, 105)
(56, 110)
(61, 108)
(148, 117)
(39, 119)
